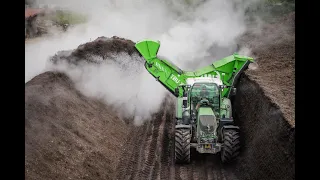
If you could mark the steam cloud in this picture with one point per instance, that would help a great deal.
(192, 35)
(127, 87)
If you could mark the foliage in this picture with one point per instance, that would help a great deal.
(62, 17)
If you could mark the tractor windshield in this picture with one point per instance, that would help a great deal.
(205, 91)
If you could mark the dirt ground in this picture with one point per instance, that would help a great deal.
(67, 135)
(274, 52)
(265, 104)
(267, 138)
(70, 136)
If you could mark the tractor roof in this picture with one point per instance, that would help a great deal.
(191, 81)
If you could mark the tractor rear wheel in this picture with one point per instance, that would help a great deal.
(182, 145)
(231, 145)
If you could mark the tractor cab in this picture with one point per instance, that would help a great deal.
(204, 95)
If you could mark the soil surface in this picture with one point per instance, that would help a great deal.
(274, 51)
(267, 138)
(67, 135)
(70, 136)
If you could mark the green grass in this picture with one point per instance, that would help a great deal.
(68, 17)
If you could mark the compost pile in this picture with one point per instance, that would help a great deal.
(71, 136)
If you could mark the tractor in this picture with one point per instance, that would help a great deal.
(203, 113)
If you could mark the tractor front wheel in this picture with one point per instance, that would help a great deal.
(182, 145)
(231, 145)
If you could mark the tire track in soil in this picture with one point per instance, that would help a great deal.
(191, 169)
(150, 166)
(151, 154)
(203, 171)
(141, 157)
(197, 169)
(162, 149)
(129, 156)
(215, 168)
(167, 146)
(147, 160)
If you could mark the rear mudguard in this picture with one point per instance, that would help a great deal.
(231, 127)
(182, 126)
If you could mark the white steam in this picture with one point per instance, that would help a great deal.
(188, 35)
(132, 90)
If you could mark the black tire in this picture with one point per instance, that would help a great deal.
(182, 146)
(231, 145)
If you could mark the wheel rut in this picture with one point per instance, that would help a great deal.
(149, 154)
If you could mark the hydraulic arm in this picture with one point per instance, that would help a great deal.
(173, 78)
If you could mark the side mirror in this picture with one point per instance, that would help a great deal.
(223, 75)
(176, 91)
(233, 91)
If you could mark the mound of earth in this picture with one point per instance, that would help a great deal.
(274, 51)
(100, 49)
(264, 105)
(68, 135)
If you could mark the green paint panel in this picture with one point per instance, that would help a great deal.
(179, 108)
(223, 61)
(189, 74)
(148, 48)
(227, 68)
(204, 70)
(173, 66)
